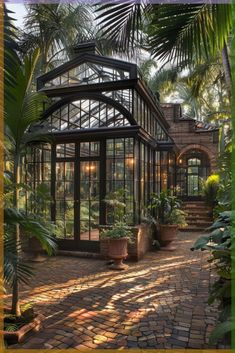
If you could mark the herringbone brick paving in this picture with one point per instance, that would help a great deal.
(159, 302)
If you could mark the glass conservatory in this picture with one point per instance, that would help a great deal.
(108, 133)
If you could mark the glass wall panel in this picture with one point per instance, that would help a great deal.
(147, 119)
(88, 73)
(171, 170)
(144, 179)
(120, 176)
(38, 177)
(124, 97)
(85, 114)
(90, 149)
(164, 170)
(89, 200)
(157, 172)
(64, 199)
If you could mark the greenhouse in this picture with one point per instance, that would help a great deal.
(108, 133)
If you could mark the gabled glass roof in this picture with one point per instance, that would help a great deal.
(88, 73)
(101, 92)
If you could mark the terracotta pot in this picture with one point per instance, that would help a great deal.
(118, 252)
(168, 234)
(20, 335)
(35, 250)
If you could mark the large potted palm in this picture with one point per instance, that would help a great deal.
(22, 108)
(169, 217)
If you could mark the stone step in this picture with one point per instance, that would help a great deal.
(194, 229)
(196, 211)
(196, 217)
(195, 204)
(199, 224)
(199, 208)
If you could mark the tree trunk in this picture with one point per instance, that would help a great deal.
(227, 69)
(15, 309)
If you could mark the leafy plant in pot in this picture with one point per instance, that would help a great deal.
(118, 237)
(169, 217)
(210, 189)
(119, 233)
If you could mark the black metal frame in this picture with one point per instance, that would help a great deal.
(184, 165)
(141, 128)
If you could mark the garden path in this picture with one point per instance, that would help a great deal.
(159, 302)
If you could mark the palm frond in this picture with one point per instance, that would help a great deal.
(14, 266)
(183, 33)
(122, 22)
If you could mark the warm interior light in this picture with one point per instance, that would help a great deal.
(130, 162)
(89, 168)
(180, 161)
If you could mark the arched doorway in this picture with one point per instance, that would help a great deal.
(192, 168)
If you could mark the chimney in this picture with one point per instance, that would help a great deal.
(88, 47)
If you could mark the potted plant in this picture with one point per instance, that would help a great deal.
(169, 217)
(118, 235)
(210, 189)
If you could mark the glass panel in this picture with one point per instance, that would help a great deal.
(88, 73)
(193, 182)
(89, 196)
(84, 210)
(83, 114)
(84, 149)
(119, 175)
(64, 193)
(65, 150)
(69, 170)
(89, 149)
(84, 189)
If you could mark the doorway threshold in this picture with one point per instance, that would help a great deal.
(80, 254)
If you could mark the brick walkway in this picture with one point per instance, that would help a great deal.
(159, 302)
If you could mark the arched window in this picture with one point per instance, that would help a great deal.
(86, 114)
(194, 161)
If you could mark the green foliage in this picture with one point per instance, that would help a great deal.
(220, 331)
(13, 323)
(118, 230)
(116, 204)
(54, 28)
(185, 32)
(210, 189)
(168, 208)
(22, 108)
(117, 207)
(218, 242)
(182, 33)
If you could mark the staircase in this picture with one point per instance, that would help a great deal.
(198, 216)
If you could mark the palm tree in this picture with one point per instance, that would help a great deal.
(22, 108)
(180, 33)
(55, 28)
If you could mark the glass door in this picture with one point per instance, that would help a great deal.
(76, 207)
(193, 178)
(89, 200)
(64, 191)
(89, 196)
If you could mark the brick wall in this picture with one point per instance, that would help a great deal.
(186, 136)
(138, 248)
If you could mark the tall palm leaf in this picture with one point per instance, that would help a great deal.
(22, 108)
(123, 22)
(180, 33)
(54, 28)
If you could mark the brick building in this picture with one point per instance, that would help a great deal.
(196, 147)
